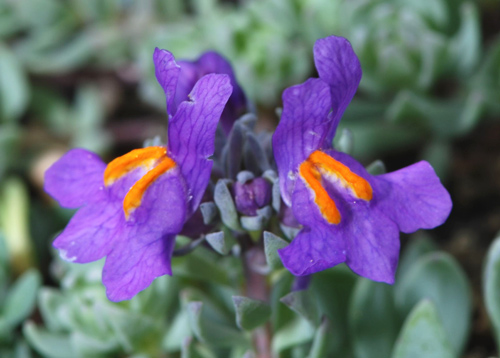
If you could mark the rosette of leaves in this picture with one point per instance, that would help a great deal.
(17, 301)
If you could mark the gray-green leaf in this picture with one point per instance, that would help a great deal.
(438, 277)
(250, 313)
(423, 335)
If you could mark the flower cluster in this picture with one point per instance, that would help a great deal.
(131, 209)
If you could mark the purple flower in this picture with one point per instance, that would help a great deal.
(252, 195)
(131, 210)
(192, 71)
(347, 214)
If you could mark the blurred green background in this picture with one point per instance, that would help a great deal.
(79, 73)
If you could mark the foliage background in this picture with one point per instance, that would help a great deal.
(78, 73)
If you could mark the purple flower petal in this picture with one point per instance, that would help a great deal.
(301, 131)
(91, 233)
(76, 179)
(413, 197)
(252, 195)
(163, 206)
(167, 72)
(372, 244)
(192, 133)
(339, 67)
(313, 250)
(134, 264)
(212, 62)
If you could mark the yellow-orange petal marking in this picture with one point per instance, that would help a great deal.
(359, 186)
(310, 171)
(138, 157)
(325, 204)
(134, 196)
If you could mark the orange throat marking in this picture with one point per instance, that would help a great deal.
(156, 162)
(320, 163)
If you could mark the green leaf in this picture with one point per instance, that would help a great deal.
(188, 349)
(439, 153)
(258, 222)
(333, 301)
(87, 346)
(224, 201)
(210, 332)
(376, 168)
(14, 90)
(491, 286)
(319, 346)
(250, 313)
(438, 277)
(272, 244)
(465, 47)
(50, 345)
(10, 135)
(22, 350)
(373, 320)
(345, 142)
(295, 332)
(201, 264)
(179, 332)
(21, 298)
(209, 212)
(4, 254)
(218, 242)
(423, 335)
(133, 331)
(420, 244)
(303, 303)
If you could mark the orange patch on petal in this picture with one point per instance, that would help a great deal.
(360, 187)
(325, 204)
(130, 161)
(311, 169)
(134, 196)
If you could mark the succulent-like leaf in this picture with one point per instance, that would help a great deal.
(20, 299)
(224, 201)
(373, 319)
(491, 286)
(272, 244)
(423, 335)
(303, 303)
(319, 346)
(48, 344)
(250, 313)
(218, 242)
(439, 278)
(208, 211)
